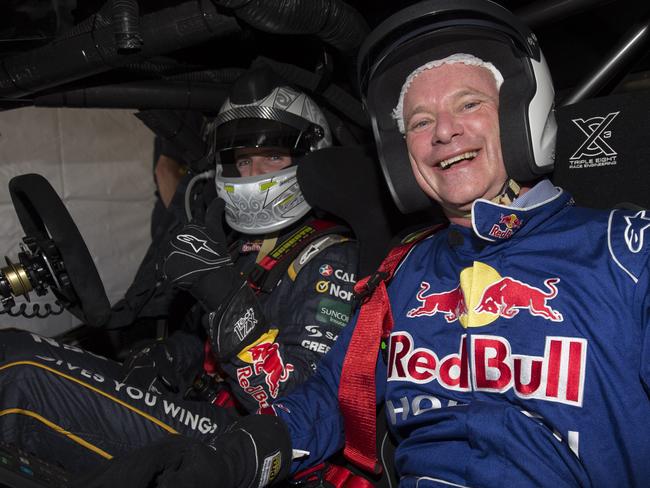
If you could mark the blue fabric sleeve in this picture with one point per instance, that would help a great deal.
(311, 411)
(643, 293)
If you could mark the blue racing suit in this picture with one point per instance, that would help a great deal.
(519, 354)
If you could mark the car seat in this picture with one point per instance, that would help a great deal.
(603, 151)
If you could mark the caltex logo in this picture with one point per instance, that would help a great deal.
(326, 270)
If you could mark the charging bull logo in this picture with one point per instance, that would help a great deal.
(510, 221)
(450, 303)
(507, 296)
(483, 296)
(267, 359)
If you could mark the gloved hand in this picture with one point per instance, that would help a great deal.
(151, 368)
(197, 260)
(236, 325)
(255, 452)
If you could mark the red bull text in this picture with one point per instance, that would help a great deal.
(486, 363)
(511, 223)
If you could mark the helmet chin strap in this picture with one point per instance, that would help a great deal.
(508, 193)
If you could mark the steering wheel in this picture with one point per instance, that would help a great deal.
(46, 222)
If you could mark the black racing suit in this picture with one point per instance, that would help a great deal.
(67, 406)
(304, 314)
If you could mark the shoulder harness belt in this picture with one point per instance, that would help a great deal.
(357, 392)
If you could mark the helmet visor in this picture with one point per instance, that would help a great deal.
(240, 133)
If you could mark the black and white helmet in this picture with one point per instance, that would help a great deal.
(261, 112)
(437, 30)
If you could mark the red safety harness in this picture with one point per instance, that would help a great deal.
(329, 475)
(357, 390)
(357, 385)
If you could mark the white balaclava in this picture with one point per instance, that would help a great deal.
(469, 59)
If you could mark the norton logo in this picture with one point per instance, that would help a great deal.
(322, 286)
(326, 270)
(483, 296)
(594, 151)
(334, 290)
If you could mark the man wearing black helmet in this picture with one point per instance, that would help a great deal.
(510, 348)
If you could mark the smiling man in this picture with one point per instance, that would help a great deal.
(452, 133)
(514, 350)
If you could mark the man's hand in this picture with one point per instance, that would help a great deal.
(197, 260)
(255, 452)
(153, 466)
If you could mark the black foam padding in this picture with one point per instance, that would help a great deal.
(43, 216)
(346, 182)
(603, 150)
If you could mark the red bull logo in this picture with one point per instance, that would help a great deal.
(483, 296)
(507, 296)
(487, 363)
(268, 361)
(450, 303)
(511, 223)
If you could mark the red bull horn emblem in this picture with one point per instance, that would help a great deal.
(267, 359)
(507, 296)
(450, 303)
(490, 297)
(510, 221)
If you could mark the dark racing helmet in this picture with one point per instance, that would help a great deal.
(435, 30)
(263, 111)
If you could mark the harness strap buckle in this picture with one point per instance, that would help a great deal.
(365, 288)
